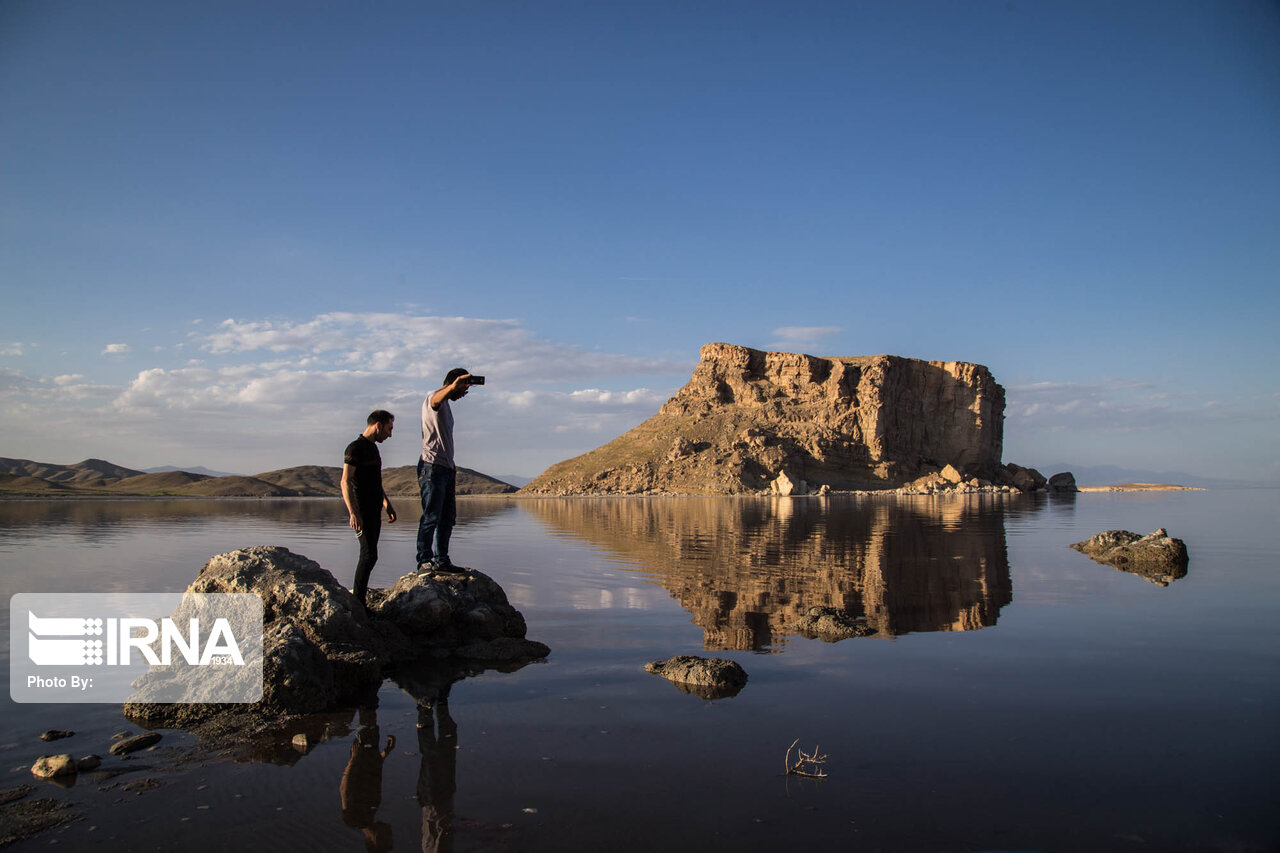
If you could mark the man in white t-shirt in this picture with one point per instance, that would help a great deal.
(437, 472)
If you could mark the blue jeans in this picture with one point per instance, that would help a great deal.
(436, 485)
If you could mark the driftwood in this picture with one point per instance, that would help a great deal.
(808, 765)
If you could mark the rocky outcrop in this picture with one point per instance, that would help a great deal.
(746, 417)
(709, 678)
(1158, 557)
(831, 625)
(321, 650)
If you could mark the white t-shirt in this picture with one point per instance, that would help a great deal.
(437, 434)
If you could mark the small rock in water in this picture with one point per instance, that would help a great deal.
(135, 743)
(301, 741)
(55, 734)
(1158, 557)
(709, 678)
(89, 762)
(49, 766)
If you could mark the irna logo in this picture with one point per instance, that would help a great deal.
(90, 641)
(170, 647)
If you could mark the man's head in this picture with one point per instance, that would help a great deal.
(463, 388)
(380, 425)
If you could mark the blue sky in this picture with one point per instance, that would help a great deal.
(229, 230)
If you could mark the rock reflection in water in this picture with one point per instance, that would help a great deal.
(749, 570)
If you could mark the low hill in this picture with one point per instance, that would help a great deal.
(168, 483)
(90, 472)
(235, 486)
(404, 481)
(23, 484)
(97, 477)
(306, 480)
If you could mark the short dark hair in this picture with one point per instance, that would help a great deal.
(454, 374)
(380, 416)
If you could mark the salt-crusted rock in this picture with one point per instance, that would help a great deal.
(1158, 557)
(851, 423)
(709, 678)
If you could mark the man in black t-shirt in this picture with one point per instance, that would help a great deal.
(362, 492)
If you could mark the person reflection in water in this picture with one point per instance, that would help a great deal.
(361, 786)
(437, 775)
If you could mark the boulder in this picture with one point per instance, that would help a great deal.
(785, 486)
(322, 650)
(951, 475)
(49, 766)
(1024, 479)
(1158, 557)
(709, 678)
(831, 625)
(1063, 483)
(135, 743)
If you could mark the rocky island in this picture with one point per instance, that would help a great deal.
(751, 422)
(322, 651)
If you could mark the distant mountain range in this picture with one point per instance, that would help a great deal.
(99, 477)
(198, 469)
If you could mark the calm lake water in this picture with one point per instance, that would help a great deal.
(1018, 696)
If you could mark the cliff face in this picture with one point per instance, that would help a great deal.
(849, 423)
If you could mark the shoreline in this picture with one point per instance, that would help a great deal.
(87, 495)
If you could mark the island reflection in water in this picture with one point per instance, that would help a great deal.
(749, 570)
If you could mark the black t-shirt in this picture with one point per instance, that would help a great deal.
(362, 455)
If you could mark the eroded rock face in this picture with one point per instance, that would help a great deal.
(847, 423)
(709, 678)
(1158, 557)
(321, 649)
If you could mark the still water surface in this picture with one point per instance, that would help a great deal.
(1017, 695)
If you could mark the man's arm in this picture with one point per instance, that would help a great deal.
(349, 496)
(443, 393)
(391, 511)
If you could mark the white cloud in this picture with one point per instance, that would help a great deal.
(1125, 405)
(11, 348)
(428, 347)
(116, 349)
(271, 393)
(797, 336)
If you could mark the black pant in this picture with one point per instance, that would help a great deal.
(370, 529)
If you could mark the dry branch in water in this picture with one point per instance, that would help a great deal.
(806, 764)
